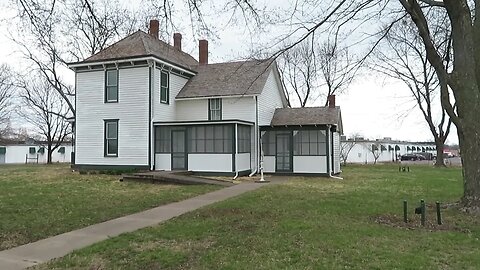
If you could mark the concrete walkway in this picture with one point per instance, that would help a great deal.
(60, 245)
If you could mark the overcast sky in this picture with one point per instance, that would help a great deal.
(373, 106)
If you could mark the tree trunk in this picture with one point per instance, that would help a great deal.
(49, 154)
(469, 142)
(440, 161)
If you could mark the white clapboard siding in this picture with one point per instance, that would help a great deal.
(166, 112)
(239, 108)
(269, 99)
(131, 111)
(235, 108)
(192, 110)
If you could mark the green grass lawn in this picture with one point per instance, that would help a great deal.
(306, 223)
(38, 201)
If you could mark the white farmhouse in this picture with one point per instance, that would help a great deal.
(142, 103)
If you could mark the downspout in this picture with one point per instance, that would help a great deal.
(151, 154)
(257, 154)
(330, 154)
(236, 151)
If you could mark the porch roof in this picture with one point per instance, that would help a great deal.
(308, 116)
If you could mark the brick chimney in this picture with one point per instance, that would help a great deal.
(153, 29)
(203, 52)
(331, 101)
(177, 41)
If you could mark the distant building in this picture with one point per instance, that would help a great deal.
(31, 151)
(386, 149)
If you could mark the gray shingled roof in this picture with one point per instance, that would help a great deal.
(227, 79)
(143, 44)
(307, 116)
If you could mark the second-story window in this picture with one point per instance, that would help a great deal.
(164, 87)
(111, 86)
(215, 109)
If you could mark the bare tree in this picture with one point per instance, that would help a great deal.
(316, 69)
(376, 151)
(345, 149)
(462, 81)
(6, 88)
(406, 60)
(45, 110)
(65, 31)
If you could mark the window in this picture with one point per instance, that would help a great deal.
(32, 150)
(309, 143)
(3, 150)
(210, 139)
(164, 87)
(61, 150)
(111, 86)
(162, 139)
(111, 138)
(244, 144)
(215, 109)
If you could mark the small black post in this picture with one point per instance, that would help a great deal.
(405, 219)
(408, 168)
(422, 206)
(439, 215)
(399, 168)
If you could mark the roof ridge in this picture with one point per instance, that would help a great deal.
(113, 44)
(143, 41)
(164, 43)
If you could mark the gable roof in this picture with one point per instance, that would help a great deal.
(228, 79)
(308, 116)
(143, 44)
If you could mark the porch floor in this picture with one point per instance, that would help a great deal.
(174, 177)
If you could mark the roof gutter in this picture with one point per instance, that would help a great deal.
(130, 59)
(208, 97)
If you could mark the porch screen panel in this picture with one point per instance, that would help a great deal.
(163, 139)
(210, 139)
(244, 139)
(309, 143)
(268, 143)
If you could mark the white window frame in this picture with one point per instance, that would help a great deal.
(110, 85)
(107, 138)
(215, 109)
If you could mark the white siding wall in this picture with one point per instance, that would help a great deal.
(309, 164)
(242, 162)
(16, 154)
(210, 162)
(192, 110)
(269, 100)
(239, 108)
(166, 112)
(336, 152)
(269, 164)
(163, 162)
(131, 110)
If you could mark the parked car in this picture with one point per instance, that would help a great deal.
(412, 157)
(427, 156)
